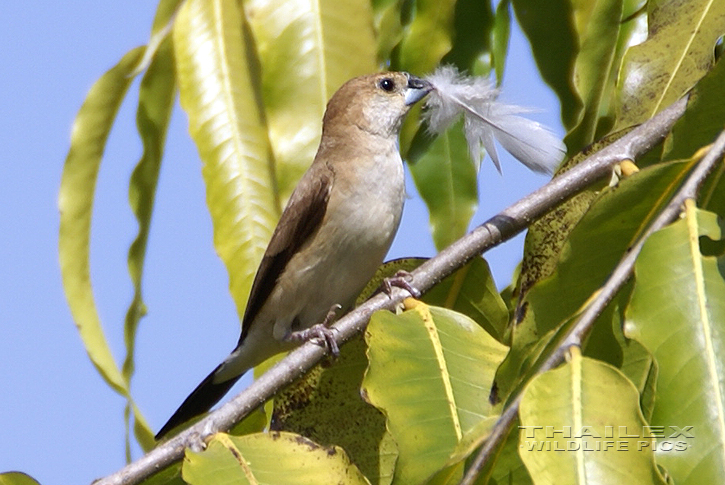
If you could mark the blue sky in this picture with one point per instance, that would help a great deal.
(59, 421)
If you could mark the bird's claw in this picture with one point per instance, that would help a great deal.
(400, 280)
(321, 333)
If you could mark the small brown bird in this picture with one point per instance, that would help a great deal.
(332, 236)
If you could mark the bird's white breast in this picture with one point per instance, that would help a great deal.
(362, 218)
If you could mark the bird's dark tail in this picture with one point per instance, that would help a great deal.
(206, 394)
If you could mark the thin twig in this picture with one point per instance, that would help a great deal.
(581, 329)
(499, 228)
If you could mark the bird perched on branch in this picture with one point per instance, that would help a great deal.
(332, 236)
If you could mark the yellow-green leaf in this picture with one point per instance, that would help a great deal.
(472, 291)
(16, 478)
(430, 372)
(677, 311)
(274, 458)
(156, 100)
(88, 139)
(581, 423)
(428, 37)
(219, 93)
(306, 50)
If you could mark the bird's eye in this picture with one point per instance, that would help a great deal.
(387, 84)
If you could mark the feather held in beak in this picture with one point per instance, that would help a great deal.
(486, 119)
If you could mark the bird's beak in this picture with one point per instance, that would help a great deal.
(417, 89)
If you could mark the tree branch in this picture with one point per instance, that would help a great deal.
(581, 329)
(499, 228)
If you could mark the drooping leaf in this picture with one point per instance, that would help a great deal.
(548, 234)
(475, 36)
(306, 51)
(581, 423)
(75, 201)
(430, 373)
(677, 312)
(500, 38)
(219, 93)
(160, 31)
(598, 28)
(679, 50)
(640, 367)
(428, 37)
(549, 28)
(388, 22)
(447, 181)
(156, 99)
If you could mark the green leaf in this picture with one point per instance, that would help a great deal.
(474, 37)
(428, 37)
(547, 236)
(430, 373)
(454, 468)
(700, 125)
(594, 247)
(323, 44)
(598, 241)
(500, 38)
(279, 458)
(508, 467)
(388, 27)
(679, 51)
(447, 181)
(677, 311)
(549, 28)
(598, 27)
(88, 139)
(581, 423)
(640, 367)
(219, 94)
(472, 291)
(171, 475)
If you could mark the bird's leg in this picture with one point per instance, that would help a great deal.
(400, 280)
(321, 332)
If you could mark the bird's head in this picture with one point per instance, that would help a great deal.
(376, 103)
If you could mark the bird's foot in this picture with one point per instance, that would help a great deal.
(400, 280)
(321, 333)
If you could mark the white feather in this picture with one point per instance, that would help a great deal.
(486, 119)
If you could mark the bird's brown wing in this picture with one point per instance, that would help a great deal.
(298, 222)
